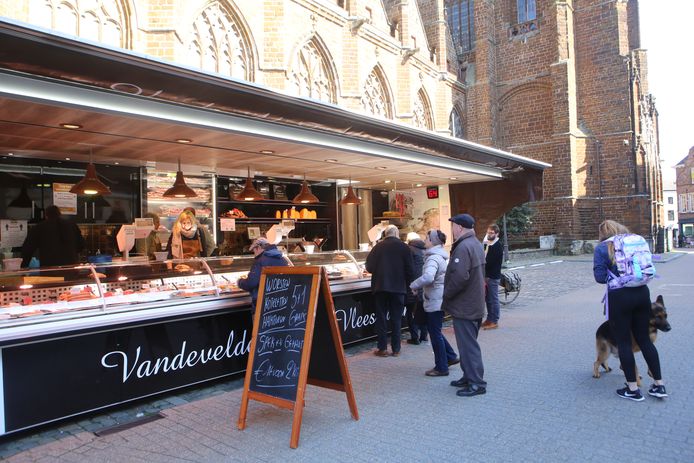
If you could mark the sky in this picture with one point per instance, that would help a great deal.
(666, 32)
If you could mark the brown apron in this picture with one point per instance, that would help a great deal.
(191, 248)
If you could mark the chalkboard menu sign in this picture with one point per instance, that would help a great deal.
(294, 310)
(280, 339)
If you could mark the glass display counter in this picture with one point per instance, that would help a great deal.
(81, 338)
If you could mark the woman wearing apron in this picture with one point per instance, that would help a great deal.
(186, 240)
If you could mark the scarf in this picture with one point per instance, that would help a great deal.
(177, 241)
(488, 243)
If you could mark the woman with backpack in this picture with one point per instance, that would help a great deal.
(628, 306)
(433, 273)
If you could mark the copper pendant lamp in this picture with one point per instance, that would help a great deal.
(90, 185)
(179, 188)
(350, 197)
(305, 196)
(249, 193)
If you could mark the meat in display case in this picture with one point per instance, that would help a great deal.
(28, 296)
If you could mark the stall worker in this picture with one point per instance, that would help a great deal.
(210, 242)
(186, 239)
(57, 240)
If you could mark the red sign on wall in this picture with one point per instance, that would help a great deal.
(432, 192)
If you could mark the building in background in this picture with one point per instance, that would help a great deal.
(560, 82)
(670, 208)
(684, 178)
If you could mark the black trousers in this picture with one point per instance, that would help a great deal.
(389, 307)
(630, 311)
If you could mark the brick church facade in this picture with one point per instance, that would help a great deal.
(560, 81)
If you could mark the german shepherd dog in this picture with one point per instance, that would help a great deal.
(605, 343)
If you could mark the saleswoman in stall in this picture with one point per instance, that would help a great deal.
(186, 240)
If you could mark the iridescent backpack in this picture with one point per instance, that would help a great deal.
(634, 262)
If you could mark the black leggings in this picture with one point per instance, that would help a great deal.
(630, 310)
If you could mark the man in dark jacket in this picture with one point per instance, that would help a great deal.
(494, 258)
(463, 299)
(416, 319)
(58, 241)
(392, 271)
(266, 255)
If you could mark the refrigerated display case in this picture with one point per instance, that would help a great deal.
(78, 339)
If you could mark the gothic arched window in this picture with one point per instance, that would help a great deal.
(375, 99)
(421, 112)
(455, 124)
(99, 20)
(217, 44)
(310, 75)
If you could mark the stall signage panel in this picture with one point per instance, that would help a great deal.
(12, 233)
(66, 201)
(356, 316)
(281, 331)
(48, 380)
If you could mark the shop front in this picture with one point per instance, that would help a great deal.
(124, 324)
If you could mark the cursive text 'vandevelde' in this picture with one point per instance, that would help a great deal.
(184, 359)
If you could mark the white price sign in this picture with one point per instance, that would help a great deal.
(227, 224)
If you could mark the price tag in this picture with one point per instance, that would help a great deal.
(227, 224)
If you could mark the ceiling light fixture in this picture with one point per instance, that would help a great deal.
(90, 185)
(70, 126)
(454, 178)
(381, 168)
(183, 140)
(267, 152)
(249, 193)
(179, 188)
(305, 196)
(419, 184)
(331, 160)
(350, 197)
(387, 181)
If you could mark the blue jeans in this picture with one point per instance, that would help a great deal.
(389, 305)
(443, 352)
(492, 299)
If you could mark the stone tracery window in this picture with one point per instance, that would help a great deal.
(310, 75)
(421, 112)
(375, 99)
(455, 124)
(99, 20)
(218, 45)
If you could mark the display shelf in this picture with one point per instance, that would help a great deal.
(276, 220)
(403, 217)
(269, 202)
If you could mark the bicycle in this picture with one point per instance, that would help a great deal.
(509, 287)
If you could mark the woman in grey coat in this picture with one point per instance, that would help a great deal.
(433, 273)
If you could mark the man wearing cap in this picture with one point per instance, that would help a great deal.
(392, 270)
(266, 255)
(463, 300)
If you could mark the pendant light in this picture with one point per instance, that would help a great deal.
(22, 201)
(179, 188)
(305, 196)
(249, 193)
(90, 185)
(350, 197)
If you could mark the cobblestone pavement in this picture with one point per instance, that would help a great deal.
(542, 402)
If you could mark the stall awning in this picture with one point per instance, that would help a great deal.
(137, 108)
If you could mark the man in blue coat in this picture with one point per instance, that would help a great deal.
(266, 255)
(392, 270)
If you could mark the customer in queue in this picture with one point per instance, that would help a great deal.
(57, 241)
(392, 270)
(463, 300)
(431, 280)
(416, 320)
(266, 255)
